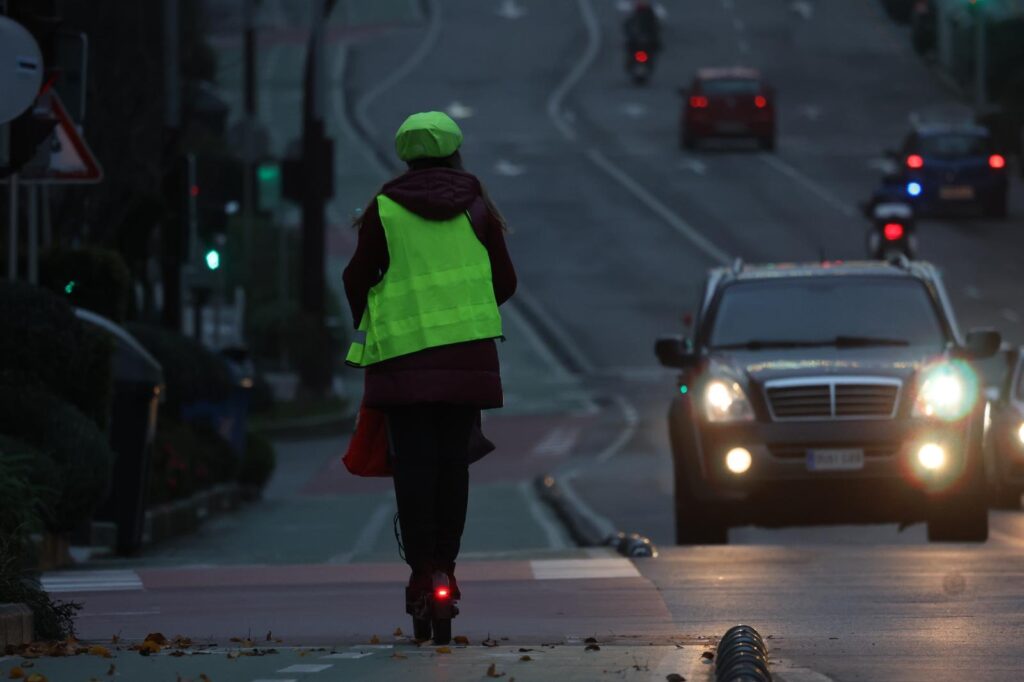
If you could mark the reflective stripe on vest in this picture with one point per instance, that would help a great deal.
(437, 289)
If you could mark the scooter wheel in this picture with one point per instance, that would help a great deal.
(442, 630)
(421, 629)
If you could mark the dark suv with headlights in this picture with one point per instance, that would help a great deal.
(827, 393)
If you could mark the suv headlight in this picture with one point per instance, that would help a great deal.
(946, 391)
(725, 401)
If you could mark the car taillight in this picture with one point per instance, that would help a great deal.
(997, 161)
(915, 161)
(893, 231)
(640, 56)
(760, 101)
(698, 102)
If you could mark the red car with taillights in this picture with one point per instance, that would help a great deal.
(728, 102)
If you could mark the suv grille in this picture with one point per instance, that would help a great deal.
(833, 398)
(799, 451)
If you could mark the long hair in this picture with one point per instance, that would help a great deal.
(455, 163)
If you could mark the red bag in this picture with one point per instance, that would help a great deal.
(367, 453)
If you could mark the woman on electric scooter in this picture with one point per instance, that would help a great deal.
(424, 284)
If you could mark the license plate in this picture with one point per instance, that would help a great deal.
(731, 128)
(956, 192)
(835, 460)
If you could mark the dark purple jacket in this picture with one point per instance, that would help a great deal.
(459, 374)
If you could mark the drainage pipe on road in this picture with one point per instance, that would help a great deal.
(742, 656)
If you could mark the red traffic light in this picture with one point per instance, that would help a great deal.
(193, 190)
(893, 231)
(641, 56)
(698, 102)
(760, 101)
(997, 161)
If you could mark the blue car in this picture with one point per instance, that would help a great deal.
(945, 167)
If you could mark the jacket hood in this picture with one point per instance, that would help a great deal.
(434, 193)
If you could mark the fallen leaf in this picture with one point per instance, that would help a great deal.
(36, 677)
(461, 639)
(590, 640)
(493, 671)
(177, 654)
(398, 656)
(592, 647)
(181, 642)
(148, 647)
(101, 651)
(525, 658)
(16, 673)
(375, 640)
(444, 649)
(236, 639)
(675, 677)
(398, 632)
(156, 637)
(116, 639)
(523, 651)
(112, 670)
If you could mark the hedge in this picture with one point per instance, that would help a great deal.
(43, 342)
(188, 458)
(91, 278)
(73, 453)
(258, 463)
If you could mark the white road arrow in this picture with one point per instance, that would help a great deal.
(695, 166)
(458, 110)
(802, 8)
(510, 9)
(508, 169)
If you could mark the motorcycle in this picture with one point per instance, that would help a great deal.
(892, 235)
(640, 63)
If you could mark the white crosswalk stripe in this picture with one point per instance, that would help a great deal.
(91, 581)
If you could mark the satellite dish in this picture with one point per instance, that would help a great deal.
(21, 69)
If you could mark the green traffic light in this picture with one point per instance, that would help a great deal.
(268, 172)
(69, 287)
(213, 259)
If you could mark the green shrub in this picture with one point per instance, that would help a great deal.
(91, 278)
(53, 620)
(80, 453)
(259, 461)
(25, 497)
(188, 458)
(43, 342)
(192, 373)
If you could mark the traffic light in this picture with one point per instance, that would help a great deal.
(268, 186)
(212, 259)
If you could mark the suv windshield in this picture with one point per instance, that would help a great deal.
(731, 86)
(952, 145)
(841, 311)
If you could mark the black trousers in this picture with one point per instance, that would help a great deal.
(430, 451)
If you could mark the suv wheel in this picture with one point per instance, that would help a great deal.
(700, 523)
(958, 518)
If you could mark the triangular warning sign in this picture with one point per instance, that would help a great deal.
(71, 160)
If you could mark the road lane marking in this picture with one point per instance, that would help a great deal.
(458, 110)
(306, 668)
(664, 212)
(367, 538)
(406, 68)
(814, 187)
(583, 569)
(552, 529)
(508, 168)
(1003, 536)
(526, 331)
(1010, 315)
(91, 581)
(802, 8)
(798, 675)
(556, 443)
(632, 417)
(348, 655)
(695, 166)
(510, 9)
(155, 611)
(527, 301)
(577, 72)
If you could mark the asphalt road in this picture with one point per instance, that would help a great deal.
(613, 228)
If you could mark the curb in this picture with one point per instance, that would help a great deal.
(17, 626)
(185, 516)
(583, 530)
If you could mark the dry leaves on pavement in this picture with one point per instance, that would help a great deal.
(461, 639)
(101, 651)
(493, 671)
(375, 640)
(16, 673)
(444, 649)
(36, 677)
(525, 658)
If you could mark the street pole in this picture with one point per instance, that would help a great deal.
(33, 233)
(249, 75)
(12, 229)
(980, 58)
(172, 225)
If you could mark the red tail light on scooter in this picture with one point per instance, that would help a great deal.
(915, 161)
(641, 56)
(698, 102)
(997, 161)
(893, 231)
(442, 593)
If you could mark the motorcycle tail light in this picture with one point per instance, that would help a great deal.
(996, 161)
(893, 231)
(641, 56)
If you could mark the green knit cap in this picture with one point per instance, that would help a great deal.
(430, 134)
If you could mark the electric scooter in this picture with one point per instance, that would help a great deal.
(432, 613)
